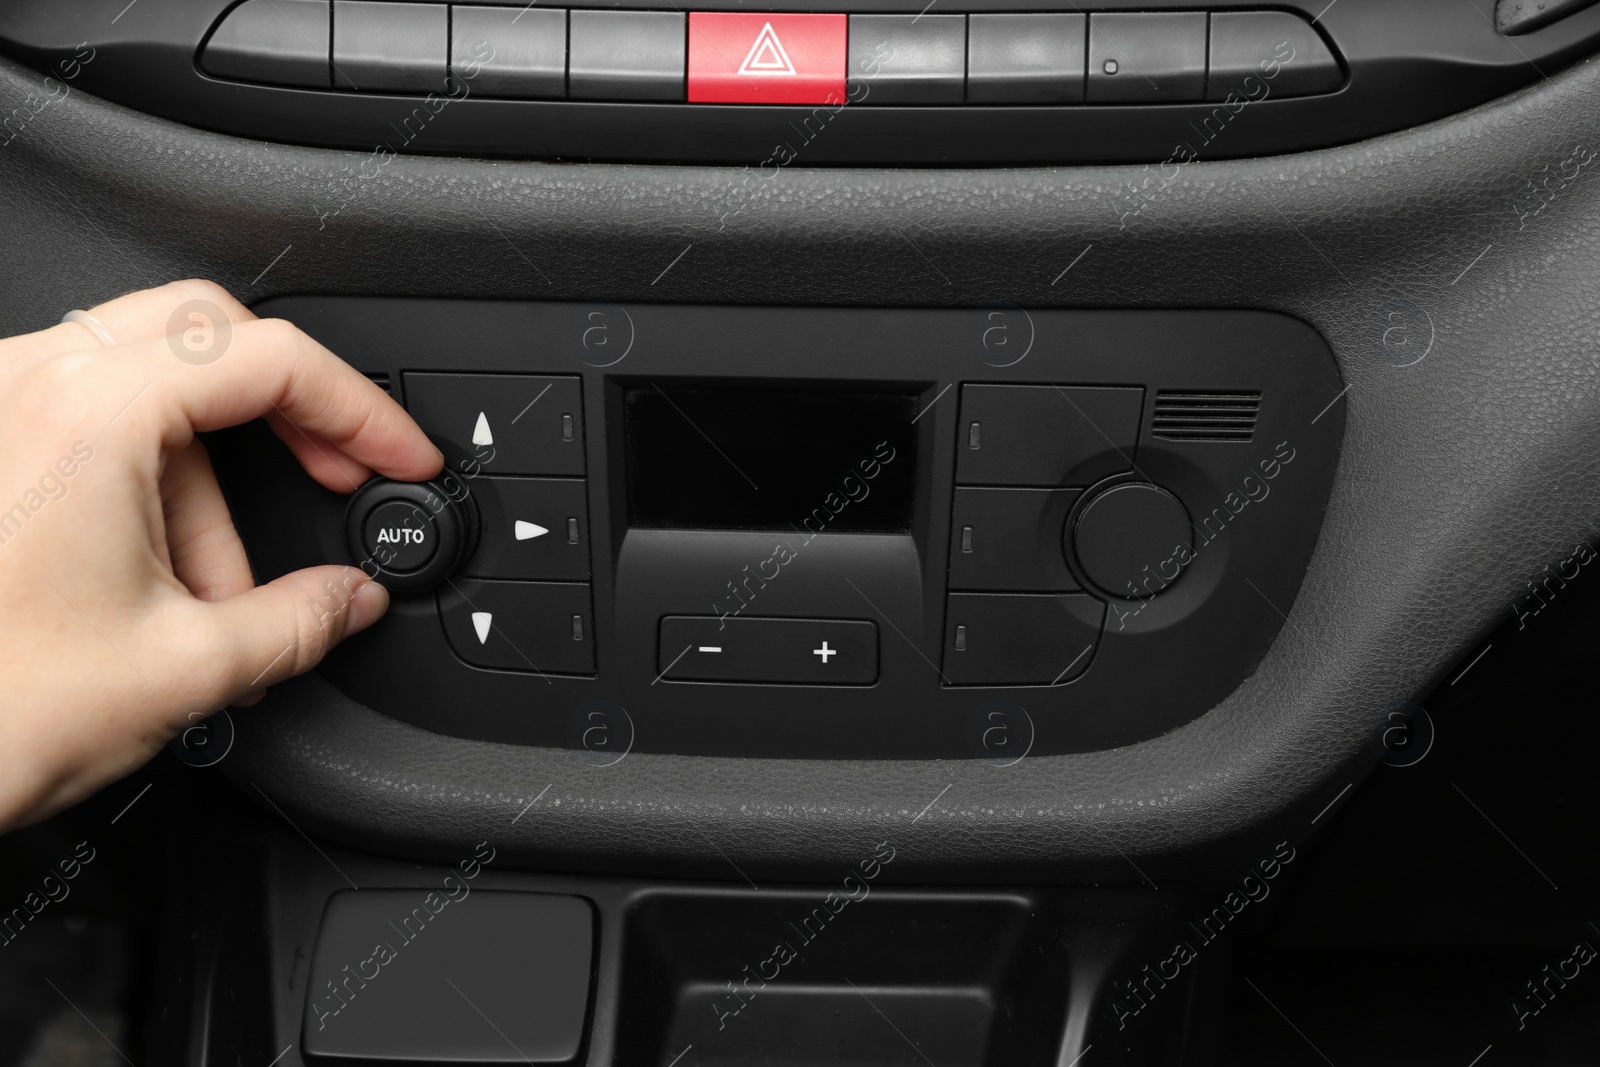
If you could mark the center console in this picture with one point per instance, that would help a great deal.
(822, 533)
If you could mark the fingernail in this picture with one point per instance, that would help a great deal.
(367, 605)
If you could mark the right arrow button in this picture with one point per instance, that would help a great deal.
(520, 515)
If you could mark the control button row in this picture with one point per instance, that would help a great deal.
(708, 648)
(772, 58)
(1058, 58)
(538, 627)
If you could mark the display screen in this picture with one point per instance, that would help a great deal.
(817, 461)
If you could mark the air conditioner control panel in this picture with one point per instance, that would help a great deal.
(815, 532)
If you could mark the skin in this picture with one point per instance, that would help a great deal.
(129, 608)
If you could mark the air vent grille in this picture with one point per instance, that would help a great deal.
(1205, 416)
(382, 382)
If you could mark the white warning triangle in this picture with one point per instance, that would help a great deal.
(529, 530)
(480, 432)
(481, 621)
(767, 55)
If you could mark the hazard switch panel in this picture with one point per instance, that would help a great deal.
(983, 83)
(931, 59)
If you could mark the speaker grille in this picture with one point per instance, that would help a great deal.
(1205, 416)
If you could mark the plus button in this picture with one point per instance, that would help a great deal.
(824, 652)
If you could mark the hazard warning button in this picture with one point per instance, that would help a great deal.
(741, 57)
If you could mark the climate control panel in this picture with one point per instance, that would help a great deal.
(815, 532)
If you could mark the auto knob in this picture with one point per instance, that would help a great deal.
(411, 536)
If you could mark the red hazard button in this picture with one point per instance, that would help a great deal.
(739, 57)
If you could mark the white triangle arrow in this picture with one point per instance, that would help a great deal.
(480, 432)
(529, 530)
(481, 621)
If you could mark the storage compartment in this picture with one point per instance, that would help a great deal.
(449, 974)
(853, 976)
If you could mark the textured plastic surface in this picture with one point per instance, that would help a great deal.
(1461, 474)
(1524, 16)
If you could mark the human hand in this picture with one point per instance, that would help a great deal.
(129, 608)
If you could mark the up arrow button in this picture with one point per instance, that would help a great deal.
(527, 424)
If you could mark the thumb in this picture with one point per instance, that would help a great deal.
(285, 627)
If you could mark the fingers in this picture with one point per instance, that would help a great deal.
(271, 368)
(168, 310)
(174, 309)
(287, 626)
(322, 459)
(222, 366)
(206, 553)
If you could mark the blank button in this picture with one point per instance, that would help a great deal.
(384, 47)
(275, 42)
(907, 59)
(1257, 54)
(1025, 59)
(1047, 435)
(1010, 540)
(1147, 58)
(627, 55)
(1012, 639)
(510, 51)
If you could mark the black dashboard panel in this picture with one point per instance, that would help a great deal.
(1469, 234)
(922, 88)
(857, 533)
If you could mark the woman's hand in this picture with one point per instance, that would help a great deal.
(127, 609)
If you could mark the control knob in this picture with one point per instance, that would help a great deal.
(411, 536)
(1127, 536)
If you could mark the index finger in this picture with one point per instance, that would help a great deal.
(271, 368)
